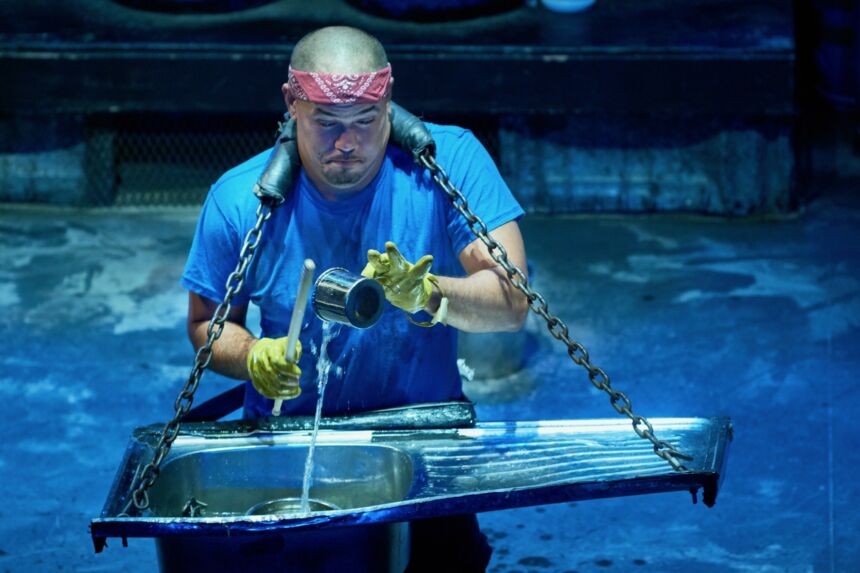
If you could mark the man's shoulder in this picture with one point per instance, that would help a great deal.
(448, 138)
(454, 142)
(447, 134)
(247, 172)
(232, 194)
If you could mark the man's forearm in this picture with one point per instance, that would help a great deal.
(485, 301)
(230, 352)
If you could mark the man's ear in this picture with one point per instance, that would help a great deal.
(390, 95)
(289, 100)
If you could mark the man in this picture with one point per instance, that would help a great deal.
(356, 194)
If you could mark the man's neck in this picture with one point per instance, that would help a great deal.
(334, 194)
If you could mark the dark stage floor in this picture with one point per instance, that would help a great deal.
(691, 316)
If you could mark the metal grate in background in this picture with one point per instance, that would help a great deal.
(147, 160)
(143, 160)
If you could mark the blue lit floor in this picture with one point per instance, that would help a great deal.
(690, 316)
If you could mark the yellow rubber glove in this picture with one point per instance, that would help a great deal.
(406, 286)
(271, 373)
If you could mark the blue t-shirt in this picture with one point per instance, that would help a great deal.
(392, 363)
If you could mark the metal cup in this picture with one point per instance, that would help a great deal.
(348, 298)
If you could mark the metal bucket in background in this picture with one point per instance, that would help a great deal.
(493, 354)
(496, 354)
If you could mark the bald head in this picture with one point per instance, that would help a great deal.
(338, 50)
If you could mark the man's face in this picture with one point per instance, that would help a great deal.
(341, 146)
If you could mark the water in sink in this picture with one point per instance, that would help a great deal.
(232, 479)
(329, 331)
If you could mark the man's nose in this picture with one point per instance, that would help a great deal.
(345, 142)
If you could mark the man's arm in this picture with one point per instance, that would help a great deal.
(485, 301)
(230, 352)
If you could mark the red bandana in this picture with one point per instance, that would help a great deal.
(340, 88)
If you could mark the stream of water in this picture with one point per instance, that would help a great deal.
(329, 331)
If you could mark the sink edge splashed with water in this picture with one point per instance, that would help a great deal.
(330, 330)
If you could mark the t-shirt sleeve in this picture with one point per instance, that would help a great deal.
(476, 176)
(214, 254)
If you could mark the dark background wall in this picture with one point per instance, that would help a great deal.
(632, 105)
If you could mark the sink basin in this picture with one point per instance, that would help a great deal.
(232, 480)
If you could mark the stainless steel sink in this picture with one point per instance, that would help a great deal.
(233, 478)
(376, 480)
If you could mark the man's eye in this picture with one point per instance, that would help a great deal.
(366, 121)
(323, 123)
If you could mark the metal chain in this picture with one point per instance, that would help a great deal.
(147, 477)
(557, 328)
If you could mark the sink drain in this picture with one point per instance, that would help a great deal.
(289, 505)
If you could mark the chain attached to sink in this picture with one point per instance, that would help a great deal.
(577, 352)
(182, 405)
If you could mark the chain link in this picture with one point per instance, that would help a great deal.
(182, 405)
(557, 328)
